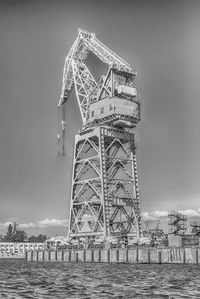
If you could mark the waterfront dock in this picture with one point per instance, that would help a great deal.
(168, 255)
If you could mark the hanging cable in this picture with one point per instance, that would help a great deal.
(63, 127)
(61, 130)
(58, 130)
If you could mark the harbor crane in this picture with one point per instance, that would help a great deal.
(105, 203)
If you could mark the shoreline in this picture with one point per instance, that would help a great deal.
(168, 255)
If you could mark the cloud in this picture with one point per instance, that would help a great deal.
(154, 215)
(41, 224)
(160, 213)
(27, 225)
(52, 222)
(4, 225)
(190, 212)
(147, 216)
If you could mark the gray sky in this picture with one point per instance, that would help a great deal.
(161, 39)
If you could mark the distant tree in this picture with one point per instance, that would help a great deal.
(9, 234)
(10, 230)
(19, 236)
(32, 239)
(40, 238)
(14, 235)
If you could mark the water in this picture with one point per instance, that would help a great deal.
(21, 279)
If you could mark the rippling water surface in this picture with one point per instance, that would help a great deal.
(21, 279)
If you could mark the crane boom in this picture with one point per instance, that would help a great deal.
(84, 43)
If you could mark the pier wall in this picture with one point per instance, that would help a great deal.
(168, 255)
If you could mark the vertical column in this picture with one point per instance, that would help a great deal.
(72, 185)
(137, 205)
(104, 182)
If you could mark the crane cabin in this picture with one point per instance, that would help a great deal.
(116, 103)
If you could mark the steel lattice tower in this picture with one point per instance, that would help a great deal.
(105, 201)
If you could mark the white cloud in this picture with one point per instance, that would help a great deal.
(147, 216)
(4, 225)
(52, 222)
(160, 213)
(42, 224)
(27, 225)
(154, 215)
(190, 212)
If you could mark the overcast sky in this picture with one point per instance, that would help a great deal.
(161, 39)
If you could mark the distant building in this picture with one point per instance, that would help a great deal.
(20, 247)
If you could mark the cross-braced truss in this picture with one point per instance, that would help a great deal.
(84, 85)
(105, 198)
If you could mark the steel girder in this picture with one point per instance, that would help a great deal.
(104, 196)
(84, 85)
(84, 43)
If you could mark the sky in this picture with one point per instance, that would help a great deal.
(158, 38)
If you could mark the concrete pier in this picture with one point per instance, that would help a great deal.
(143, 255)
